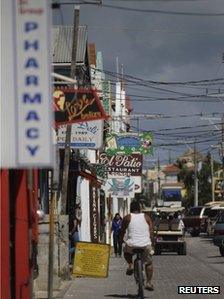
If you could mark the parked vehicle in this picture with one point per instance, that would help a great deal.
(213, 215)
(195, 220)
(218, 239)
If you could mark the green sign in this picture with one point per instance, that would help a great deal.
(106, 91)
(129, 143)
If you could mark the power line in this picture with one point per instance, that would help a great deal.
(166, 12)
(186, 127)
(115, 74)
(160, 30)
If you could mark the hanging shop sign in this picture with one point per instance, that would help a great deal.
(106, 99)
(100, 170)
(120, 187)
(96, 80)
(94, 214)
(129, 143)
(138, 183)
(219, 186)
(26, 118)
(77, 105)
(122, 165)
(83, 135)
(91, 259)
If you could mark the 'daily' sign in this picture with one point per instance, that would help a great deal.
(30, 102)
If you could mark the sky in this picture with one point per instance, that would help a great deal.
(163, 47)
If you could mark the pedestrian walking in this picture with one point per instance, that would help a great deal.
(116, 229)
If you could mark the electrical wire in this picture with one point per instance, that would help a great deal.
(128, 77)
(166, 12)
(157, 30)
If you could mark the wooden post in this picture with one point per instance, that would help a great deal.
(64, 190)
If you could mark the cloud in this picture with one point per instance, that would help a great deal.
(162, 47)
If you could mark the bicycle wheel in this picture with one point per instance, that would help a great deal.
(136, 270)
(140, 280)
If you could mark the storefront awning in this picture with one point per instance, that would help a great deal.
(171, 194)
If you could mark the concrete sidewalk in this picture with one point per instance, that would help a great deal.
(117, 285)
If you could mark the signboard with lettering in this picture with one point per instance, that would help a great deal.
(129, 143)
(137, 182)
(83, 135)
(26, 139)
(120, 187)
(106, 98)
(91, 259)
(122, 165)
(77, 105)
(94, 214)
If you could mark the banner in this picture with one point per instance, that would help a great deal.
(26, 112)
(122, 165)
(129, 143)
(83, 135)
(77, 105)
(120, 187)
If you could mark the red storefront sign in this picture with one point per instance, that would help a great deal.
(77, 105)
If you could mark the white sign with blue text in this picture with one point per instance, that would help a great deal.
(83, 135)
(28, 37)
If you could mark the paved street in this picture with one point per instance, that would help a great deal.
(202, 266)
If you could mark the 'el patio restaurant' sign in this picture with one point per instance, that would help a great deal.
(77, 105)
(120, 165)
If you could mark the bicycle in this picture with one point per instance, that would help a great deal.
(138, 271)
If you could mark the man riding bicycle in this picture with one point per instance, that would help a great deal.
(138, 228)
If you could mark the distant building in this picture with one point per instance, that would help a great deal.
(171, 188)
(166, 188)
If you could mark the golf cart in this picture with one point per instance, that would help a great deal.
(169, 235)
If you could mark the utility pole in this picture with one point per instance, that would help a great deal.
(212, 178)
(159, 183)
(222, 153)
(68, 131)
(169, 153)
(65, 169)
(195, 177)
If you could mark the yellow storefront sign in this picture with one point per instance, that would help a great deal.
(91, 259)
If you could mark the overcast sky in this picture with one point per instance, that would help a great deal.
(160, 47)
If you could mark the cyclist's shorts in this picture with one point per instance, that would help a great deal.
(146, 256)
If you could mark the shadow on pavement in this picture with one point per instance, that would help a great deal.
(213, 256)
(167, 253)
(122, 296)
(206, 240)
(218, 262)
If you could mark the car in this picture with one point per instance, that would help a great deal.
(213, 215)
(218, 238)
(195, 219)
(169, 237)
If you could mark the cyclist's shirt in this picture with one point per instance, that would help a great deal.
(138, 234)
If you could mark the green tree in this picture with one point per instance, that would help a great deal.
(186, 176)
